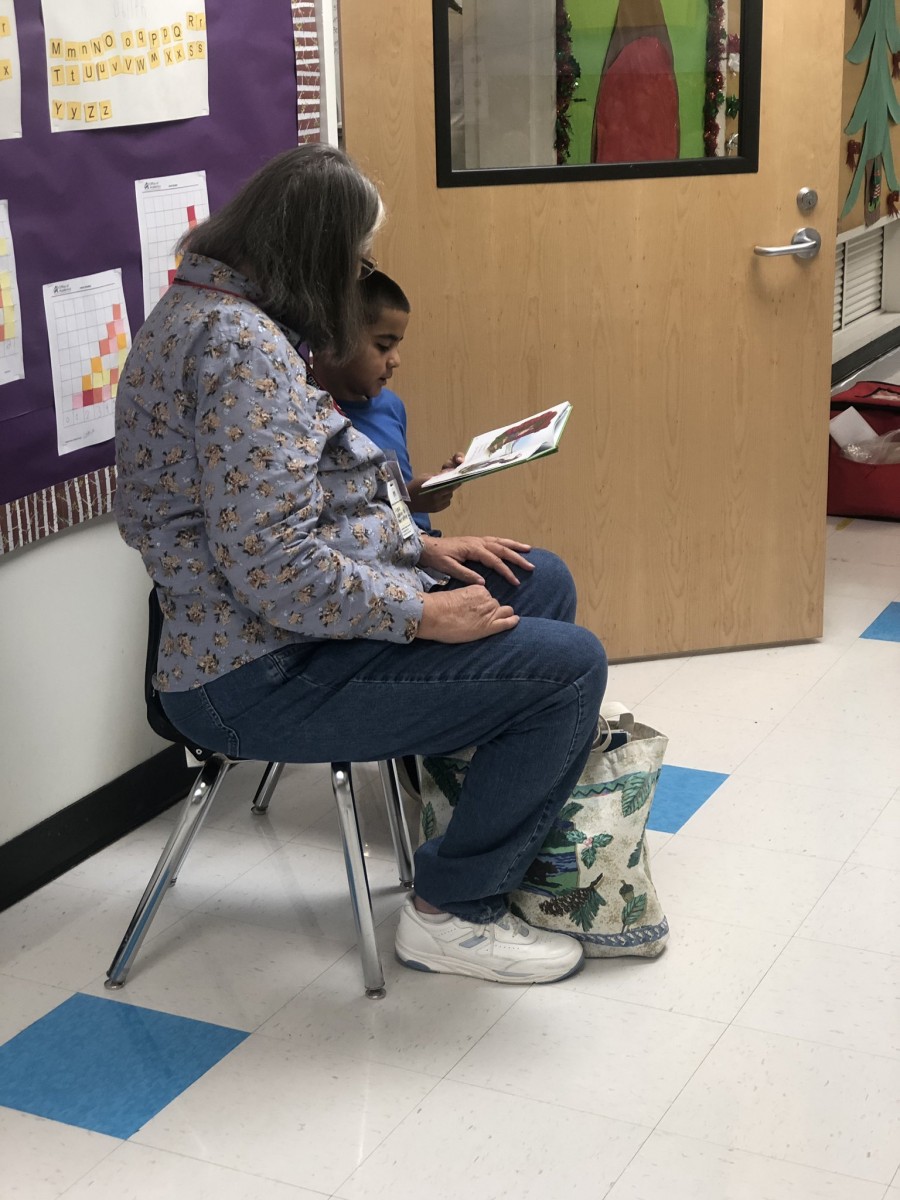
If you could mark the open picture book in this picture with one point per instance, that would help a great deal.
(510, 446)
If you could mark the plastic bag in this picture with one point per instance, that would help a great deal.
(875, 451)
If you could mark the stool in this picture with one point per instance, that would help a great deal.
(198, 804)
(214, 766)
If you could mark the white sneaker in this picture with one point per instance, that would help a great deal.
(506, 950)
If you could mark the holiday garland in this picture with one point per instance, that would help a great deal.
(568, 72)
(716, 41)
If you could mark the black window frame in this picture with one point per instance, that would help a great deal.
(746, 161)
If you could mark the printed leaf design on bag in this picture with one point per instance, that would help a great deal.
(581, 905)
(429, 821)
(589, 853)
(634, 907)
(448, 774)
(636, 791)
(584, 915)
(635, 857)
(563, 832)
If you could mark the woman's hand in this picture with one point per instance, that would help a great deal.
(464, 615)
(430, 502)
(449, 555)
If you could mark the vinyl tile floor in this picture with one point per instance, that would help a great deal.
(757, 1059)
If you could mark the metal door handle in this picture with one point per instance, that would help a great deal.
(805, 243)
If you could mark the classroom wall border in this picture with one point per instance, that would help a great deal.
(57, 507)
(306, 59)
(49, 849)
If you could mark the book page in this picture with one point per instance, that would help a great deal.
(510, 444)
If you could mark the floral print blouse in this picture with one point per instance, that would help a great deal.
(260, 513)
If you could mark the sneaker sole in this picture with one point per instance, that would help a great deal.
(449, 966)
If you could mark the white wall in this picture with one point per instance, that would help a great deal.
(73, 631)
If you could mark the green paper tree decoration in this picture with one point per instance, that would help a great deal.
(877, 107)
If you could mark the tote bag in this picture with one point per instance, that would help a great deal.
(591, 878)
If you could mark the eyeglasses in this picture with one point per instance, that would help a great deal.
(366, 267)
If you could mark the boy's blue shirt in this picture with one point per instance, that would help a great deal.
(383, 421)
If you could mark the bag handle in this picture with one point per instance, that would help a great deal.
(612, 716)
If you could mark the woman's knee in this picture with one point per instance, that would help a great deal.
(590, 653)
(569, 654)
(550, 588)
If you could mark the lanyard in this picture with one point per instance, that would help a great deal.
(208, 287)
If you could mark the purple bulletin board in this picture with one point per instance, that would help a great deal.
(72, 205)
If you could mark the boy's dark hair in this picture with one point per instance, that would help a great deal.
(298, 229)
(379, 292)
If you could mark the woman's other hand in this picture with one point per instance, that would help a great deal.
(465, 614)
(450, 554)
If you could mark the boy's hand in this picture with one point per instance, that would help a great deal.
(464, 615)
(437, 500)
(450, 554)
(430, 502)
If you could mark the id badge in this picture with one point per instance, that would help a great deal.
(393, 464)
(401, 512)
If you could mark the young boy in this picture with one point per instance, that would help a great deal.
(359, 387)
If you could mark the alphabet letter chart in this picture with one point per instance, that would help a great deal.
(10, 80)
(89, 342)
(11, 365)
(167, 208)
(125, 62)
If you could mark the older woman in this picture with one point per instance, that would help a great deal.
(304, 617)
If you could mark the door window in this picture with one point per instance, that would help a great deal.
(555, 90)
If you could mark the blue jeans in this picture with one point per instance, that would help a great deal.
(527, 698)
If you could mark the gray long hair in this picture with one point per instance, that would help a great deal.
(297, 229)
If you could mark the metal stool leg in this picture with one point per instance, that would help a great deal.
(267, 786)
(194, 810)
(224, 764)
(397, 820)
(360, 896)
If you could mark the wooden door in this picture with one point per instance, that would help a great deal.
(689, 493)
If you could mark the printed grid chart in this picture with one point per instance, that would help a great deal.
(10, 327)
(89, 342)
(167, 209)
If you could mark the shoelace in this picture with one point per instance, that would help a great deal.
(512, 924)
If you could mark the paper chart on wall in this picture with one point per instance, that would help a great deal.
(11, 364)
(125, 62)
(10, 78)
(89, 341)
(167, 208)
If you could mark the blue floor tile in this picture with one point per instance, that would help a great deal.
(886, 626)
(679, 793)
(106, 1066)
